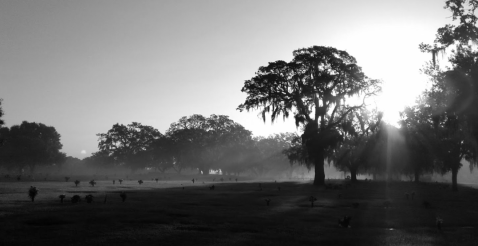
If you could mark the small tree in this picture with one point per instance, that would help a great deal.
(32, 193)
(312, 199)
(357, 131)
(140, 182)
(77, 182)
(67, 179)
(120, 180)
(417, 128)
(89, 198)
(62, 196)
(75, 199)
(123, 196)
(92, 183)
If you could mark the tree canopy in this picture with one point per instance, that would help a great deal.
(206, 143)
(30, 144)
(417, 128)
(357, 132)
(128, 145)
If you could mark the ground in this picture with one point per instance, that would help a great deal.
(235, 213)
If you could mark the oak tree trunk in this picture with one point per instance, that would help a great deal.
(417, 176)
(319, 178)
(454, 178)
(353, 174)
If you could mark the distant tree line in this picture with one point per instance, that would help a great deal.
(195, 142)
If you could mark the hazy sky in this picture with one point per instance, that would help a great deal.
(82, 66)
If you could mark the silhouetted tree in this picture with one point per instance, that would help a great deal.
(453, 98)
(452, 128)
(417, 127)
(450, 35)
(202, 143)
(161, 152)
(123, 195)
(89, 198)
(312, 199)
(32, 193)
(188, 135)
(127, 144)
(30, 144)
(314, 87)
(75, 199)
(357, 131)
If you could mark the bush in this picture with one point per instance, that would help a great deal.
(32, 193)
(123, 196)
(89, 198)
(76, 199)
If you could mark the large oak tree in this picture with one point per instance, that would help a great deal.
(315, 88)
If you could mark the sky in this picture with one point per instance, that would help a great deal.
(83, 66)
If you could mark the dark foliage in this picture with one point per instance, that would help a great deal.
(313, 87)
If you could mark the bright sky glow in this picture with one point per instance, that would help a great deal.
(82, 66)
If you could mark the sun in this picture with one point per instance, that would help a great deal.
(391, 106)
(395, 96)
(83, 152)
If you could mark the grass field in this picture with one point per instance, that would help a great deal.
(164, 213)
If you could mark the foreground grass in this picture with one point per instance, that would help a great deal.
(236, 214)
